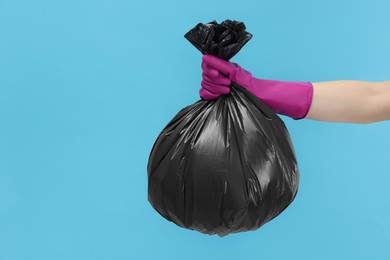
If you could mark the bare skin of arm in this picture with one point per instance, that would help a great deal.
(350, 101)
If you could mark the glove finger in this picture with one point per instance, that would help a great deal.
(212, 72)
(219, 80)
(214, 88)
(221, 65)
(207, 95)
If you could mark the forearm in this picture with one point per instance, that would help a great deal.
(350, 101)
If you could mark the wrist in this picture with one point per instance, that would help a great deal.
(292, 99)
(306, 101)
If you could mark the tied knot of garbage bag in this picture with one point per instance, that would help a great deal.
(222, 40)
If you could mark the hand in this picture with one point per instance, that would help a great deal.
(217, 75)
(213, 82)
(292, 99)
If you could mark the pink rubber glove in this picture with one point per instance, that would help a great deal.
(292, 99)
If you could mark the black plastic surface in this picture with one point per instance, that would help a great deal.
(227, 165)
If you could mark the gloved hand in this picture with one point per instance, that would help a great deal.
(292, 99)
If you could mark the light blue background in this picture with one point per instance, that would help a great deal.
(87, 86)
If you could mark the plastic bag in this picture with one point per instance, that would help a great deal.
(227, 165)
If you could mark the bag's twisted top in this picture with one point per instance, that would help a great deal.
(223, 40)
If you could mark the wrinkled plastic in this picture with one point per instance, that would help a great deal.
(226, 165)
(222, 40)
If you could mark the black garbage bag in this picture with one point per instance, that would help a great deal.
(226, 165)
